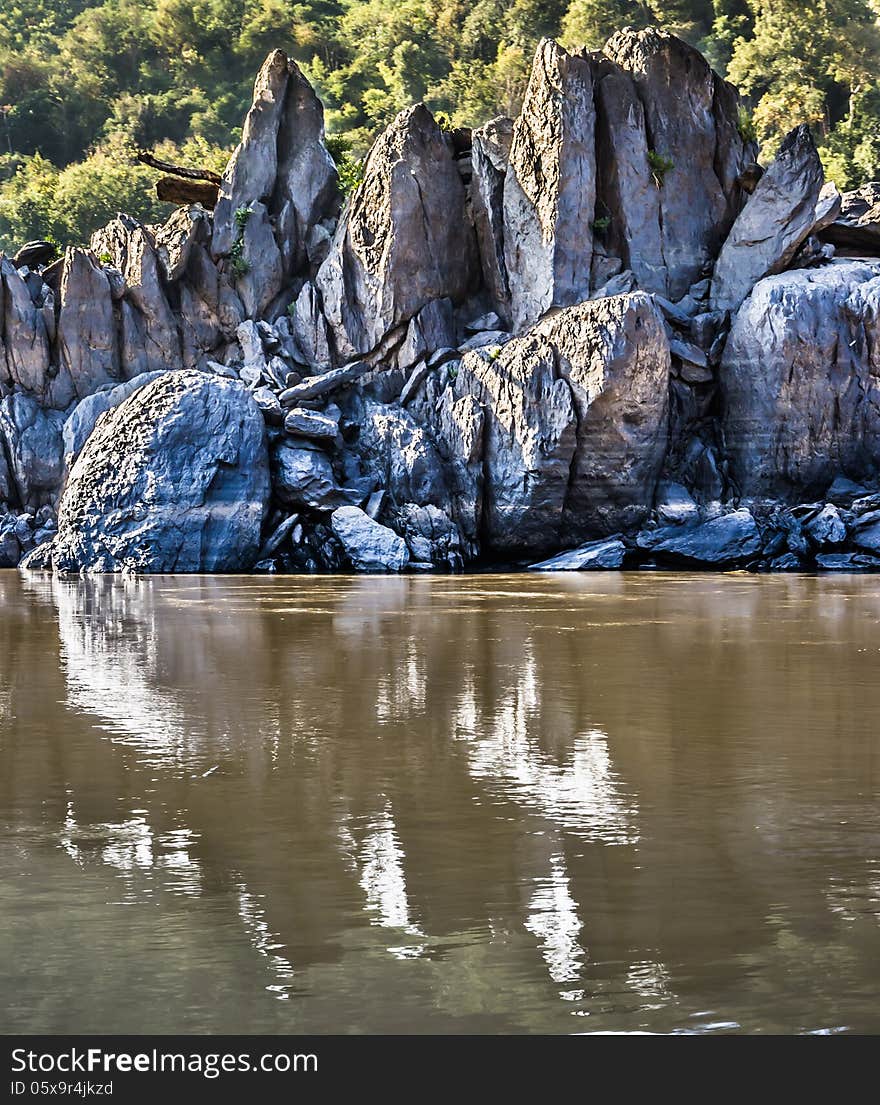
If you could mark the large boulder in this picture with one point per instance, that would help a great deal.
(550, 187)
(404, 237)
(369, 546)
(32, 437)
(799, 380)
(400, 455)
(302, 476)
(84, 416)
(576, 424)
(691, 118)
(726, 540)
(775, 221)
(174, 479)
(595, 556)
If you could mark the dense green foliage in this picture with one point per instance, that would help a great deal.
(83, 83)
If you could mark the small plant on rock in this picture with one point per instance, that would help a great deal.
(659, 166)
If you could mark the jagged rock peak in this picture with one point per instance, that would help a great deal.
(281, 162)
(404, 238)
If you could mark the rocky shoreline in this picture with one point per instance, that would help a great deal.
(598, 336)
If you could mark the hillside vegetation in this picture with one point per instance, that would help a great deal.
(84, 83)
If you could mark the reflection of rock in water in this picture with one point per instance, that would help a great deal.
(583, 795)
(553, 918)
(127, 662)
(378, 862)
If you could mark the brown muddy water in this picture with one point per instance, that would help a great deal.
(567, 803)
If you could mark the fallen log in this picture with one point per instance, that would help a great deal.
(176, 190)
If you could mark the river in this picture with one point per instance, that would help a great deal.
(534, 803)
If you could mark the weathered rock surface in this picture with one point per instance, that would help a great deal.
(26, 341)
(252, 171)
(84, 416)
(87, 336)
(778, 216)
(150, 339)
(576, 424)
(403, 240)
(628, 196)
(306, 185)
(32, 438)
(490, 153)
(370, 547)
(302, 476)
(175, 479)
(799, 381)
(550, 187)
(691, 118)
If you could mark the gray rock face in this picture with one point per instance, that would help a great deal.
(401, 456)
(84, 416)
(26, 341)
(87, 336)
(866, 533)
(489, 156)
(595, 556)
(315, 386)
(550, 187)
(32, 436)
(431, 329)
(799, 381)
(306, 185)
(403, 239)
(370, 547)
(575, 429)
(628, 195)
(691, 118)
(725, 540)
(175, 240)
(827, 528)
(263, 275)
(310, 329)
(848, 562)
(150, 338)
(311, 424)
(175, 479)
(778, 216)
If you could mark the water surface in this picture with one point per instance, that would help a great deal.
(566, 803)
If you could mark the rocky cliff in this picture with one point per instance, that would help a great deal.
(598, 335)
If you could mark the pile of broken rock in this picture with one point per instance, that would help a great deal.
(596, 336)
